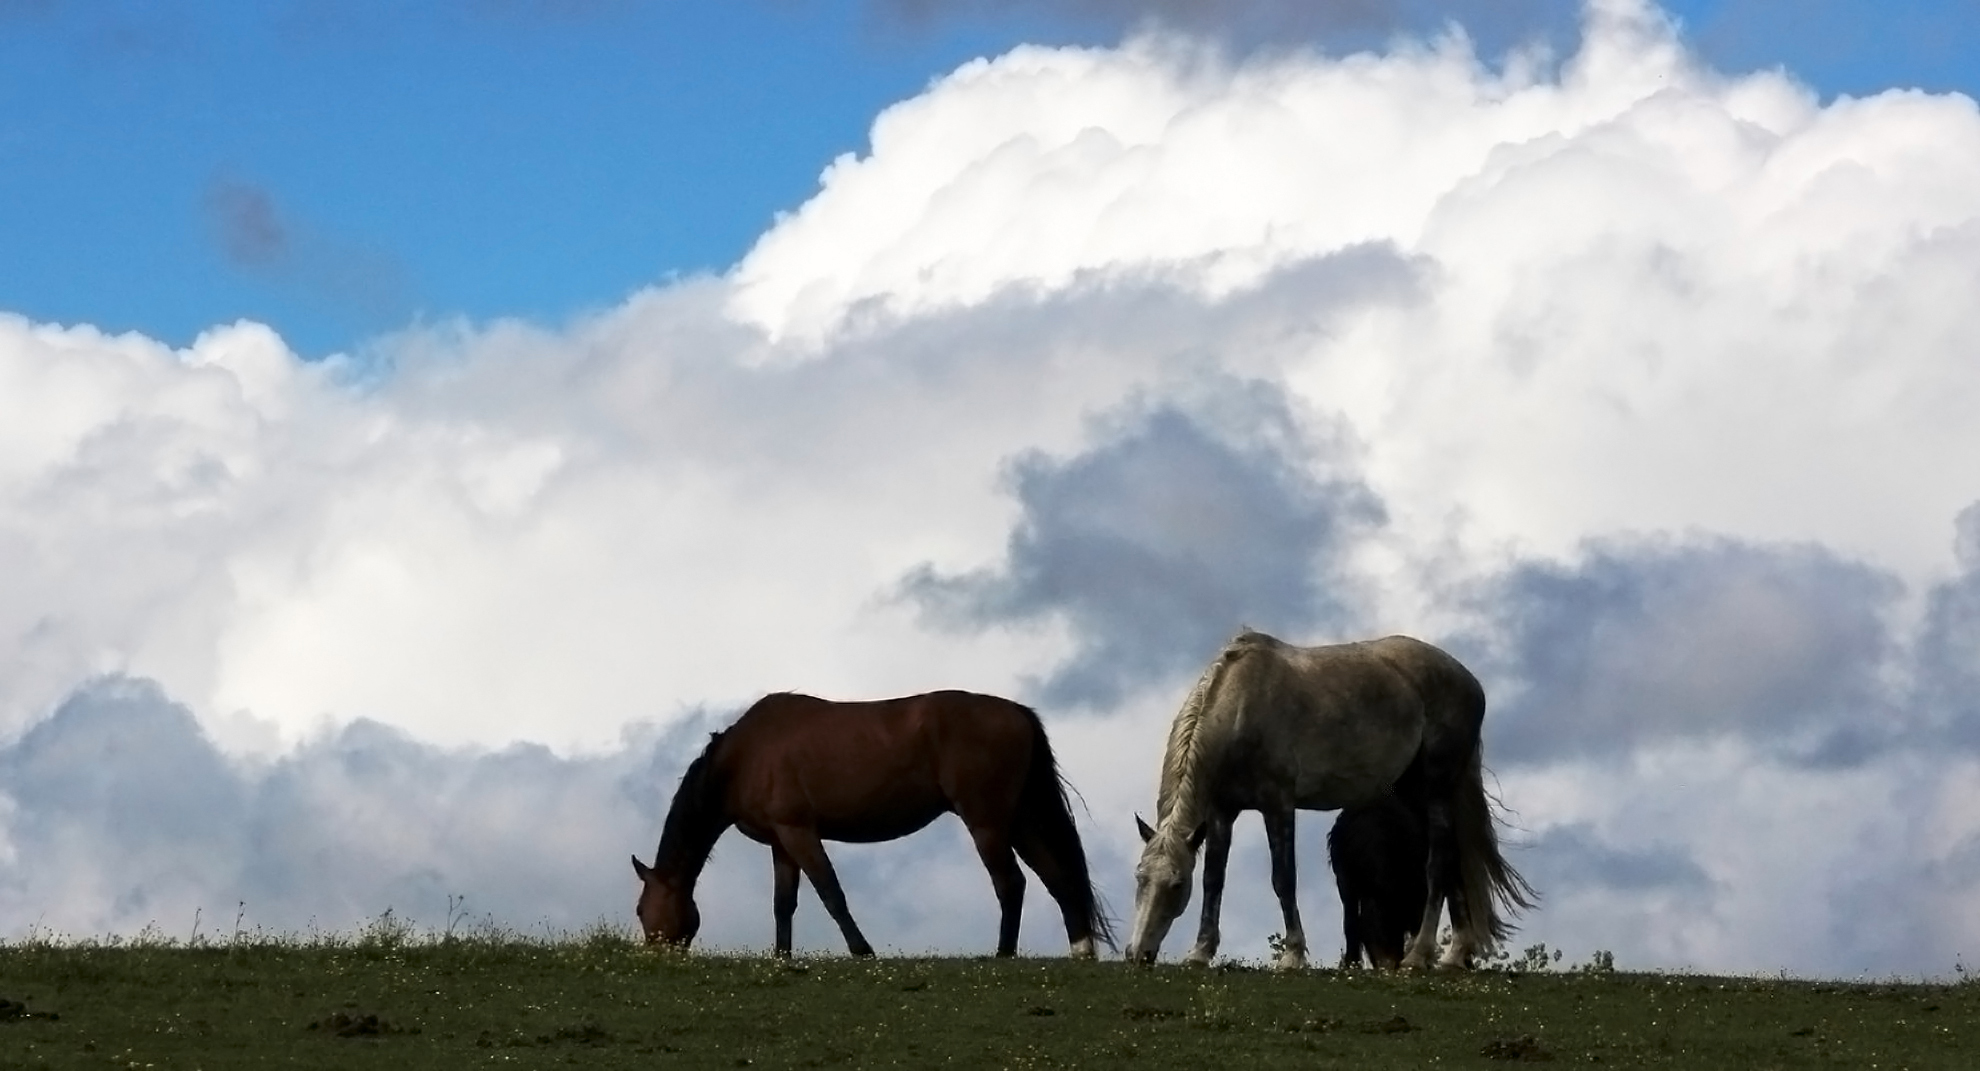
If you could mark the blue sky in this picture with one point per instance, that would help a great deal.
(340, 169)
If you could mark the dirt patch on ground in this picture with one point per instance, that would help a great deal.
(358, 1025)
(1145, 1012)
(1525, 1047)
(587, 1033)
(13, 1011)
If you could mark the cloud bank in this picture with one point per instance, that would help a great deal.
(1640, 385)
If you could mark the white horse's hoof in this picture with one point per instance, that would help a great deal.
(1291, 961)
(1197, 958)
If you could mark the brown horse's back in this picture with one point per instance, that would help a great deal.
(873, 771)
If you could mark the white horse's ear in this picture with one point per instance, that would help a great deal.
(641, 869)
(1196, 838)
(1147, 834)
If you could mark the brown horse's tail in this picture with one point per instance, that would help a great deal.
(1045, 814)
(1493, 890)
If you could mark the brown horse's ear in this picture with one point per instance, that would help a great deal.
(1196, 838)
(641, 869)
(1147, 834)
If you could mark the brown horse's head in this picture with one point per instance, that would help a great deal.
(666, 910)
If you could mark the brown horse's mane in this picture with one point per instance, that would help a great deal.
(695, 819)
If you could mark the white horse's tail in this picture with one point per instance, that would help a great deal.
(1493, 891)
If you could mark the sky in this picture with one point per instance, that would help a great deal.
(418, 431)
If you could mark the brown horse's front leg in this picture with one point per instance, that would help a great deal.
(808, 852)
(784, 898)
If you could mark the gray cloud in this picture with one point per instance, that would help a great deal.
(1576, 856)
(247, 225)
(1948, 650)
(256, 235)
(1650, 641)
(1157, 543)
(117, 812)
(1338, 23)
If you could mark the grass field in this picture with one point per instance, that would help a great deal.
(384, 1000)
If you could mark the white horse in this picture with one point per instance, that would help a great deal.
(1275, 728)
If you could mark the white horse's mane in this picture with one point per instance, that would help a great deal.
(1179, 808)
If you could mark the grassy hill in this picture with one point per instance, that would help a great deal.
(386, 1000)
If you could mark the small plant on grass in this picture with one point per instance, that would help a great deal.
(386, 933)
(1601, 962)
(603, 936)
(1536, 959)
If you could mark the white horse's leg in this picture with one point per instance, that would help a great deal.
(1279, 829)
(1423, 947)
(1465, 938)
(1440, 870)
(1458, 955)
(1216, 857)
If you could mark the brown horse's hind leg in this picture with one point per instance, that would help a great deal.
(993, 846)
(808, 852)
(784, 897)
(1063, 887)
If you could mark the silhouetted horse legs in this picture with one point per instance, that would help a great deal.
(804, 848)
(1377, 853)
(1216, 860)
(785, 896)
(1059, 881)
(1435, 784)
(1279, 827)
(1344, 883)
(993, 846)
(1441, 870)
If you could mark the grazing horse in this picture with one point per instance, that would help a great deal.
(1275, 728)
(795, 770)
(1376, 850)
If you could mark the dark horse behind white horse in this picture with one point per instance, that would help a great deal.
(1275, 728)
(1376, 850)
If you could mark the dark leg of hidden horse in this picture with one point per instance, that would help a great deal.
(1376, 851)
(795, 771)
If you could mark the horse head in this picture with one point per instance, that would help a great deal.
(1161, 885)
(666, 910)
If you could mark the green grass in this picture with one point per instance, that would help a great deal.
(386, 999)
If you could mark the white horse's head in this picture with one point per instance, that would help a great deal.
(1161, 886)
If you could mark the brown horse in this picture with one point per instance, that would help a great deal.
(795, 770)
(1376, 850)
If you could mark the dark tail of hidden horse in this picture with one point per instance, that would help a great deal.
(1048, 840)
